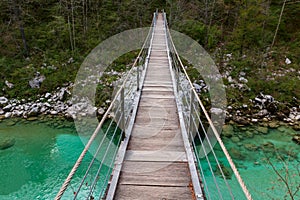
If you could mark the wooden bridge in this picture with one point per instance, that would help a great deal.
(156, 158)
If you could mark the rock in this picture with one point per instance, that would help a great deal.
(17, 113)
(8, 115)
(53, 112)
(268, 145)
(296, 127)
(272, 107)
(287, 61)
(101, 111)
(47, 95)
(263, 130)
(230, 80)
(254, 120)
(265, 119)
(281, 129)
(235, 139)
(62, 94)
(226, 171)
(11, 123)
(1, 112)
(236, 154)
(32, 118)
(251, 147)
(8, 108)
(37, 81)
(273, 124)
(43, 109)
(241, 120)
(296, 139)
(249, 134)
(7, 143)
(197, 87)
(227, 131)
(3, 100)
(33, 112)
(8, 84)
(262, 113)
(280, 116)
(243, 80)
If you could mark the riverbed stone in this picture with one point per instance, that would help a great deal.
(273, 124)
(235, 139)
(251, 147)
(227, 130)
(236, 154)
(8, 115)
(263, 130)
(32, 118)
(7, 108)
(3, 100)
(7, 143)
(296, 139)
(249, 134)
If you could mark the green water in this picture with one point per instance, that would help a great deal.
(251, 155)
(44, 152)
(37, 164)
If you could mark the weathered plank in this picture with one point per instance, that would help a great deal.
(136, 192)
(156, 156)
(155, 173)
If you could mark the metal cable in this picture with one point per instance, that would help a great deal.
(232, 165)
(93, 136)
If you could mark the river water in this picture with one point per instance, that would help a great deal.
(44, 151)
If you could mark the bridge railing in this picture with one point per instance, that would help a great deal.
(91, 174)
(213, 169)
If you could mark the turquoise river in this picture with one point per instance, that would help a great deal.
(44, 151)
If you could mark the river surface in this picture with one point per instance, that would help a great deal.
(44, 152)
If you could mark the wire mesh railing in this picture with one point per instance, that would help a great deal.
(91, 174)
(214, 163)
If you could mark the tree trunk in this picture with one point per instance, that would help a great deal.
(73, 23)
(278, 24)
(17, 13)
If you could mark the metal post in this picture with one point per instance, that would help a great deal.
(191, 112)
(177, 73)
(138, 78)
(122, 100)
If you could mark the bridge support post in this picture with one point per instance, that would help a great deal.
(122, 100)
(138, 78)
(190, 129)
(178, 79)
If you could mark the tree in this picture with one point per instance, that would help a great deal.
(278, 24)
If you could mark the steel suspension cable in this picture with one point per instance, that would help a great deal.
(232, 165)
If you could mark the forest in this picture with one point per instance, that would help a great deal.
(255, 43)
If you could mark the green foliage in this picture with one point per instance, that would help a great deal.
(243, 28)
(194, 29)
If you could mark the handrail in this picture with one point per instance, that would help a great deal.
(121, 121)
(191, 123)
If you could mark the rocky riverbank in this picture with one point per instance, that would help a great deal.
(57, 103)
(263, 109)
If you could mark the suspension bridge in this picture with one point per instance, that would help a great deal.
(155, 139)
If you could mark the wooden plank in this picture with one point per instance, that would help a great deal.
(134, 192)
(155, 144)
(155, 173)
(156, 156)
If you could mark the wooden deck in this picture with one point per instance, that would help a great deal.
(155, 164)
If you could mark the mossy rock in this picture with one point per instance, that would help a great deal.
(7, 143)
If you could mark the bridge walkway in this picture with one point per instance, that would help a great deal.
(155, 164)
